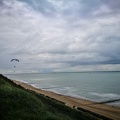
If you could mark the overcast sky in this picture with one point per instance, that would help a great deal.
(59, 35)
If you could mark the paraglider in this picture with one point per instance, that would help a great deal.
(15, 60)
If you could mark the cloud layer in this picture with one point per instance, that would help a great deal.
(52, 35)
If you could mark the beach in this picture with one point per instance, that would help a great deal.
(109, 111)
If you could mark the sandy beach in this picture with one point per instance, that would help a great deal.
(101, 109)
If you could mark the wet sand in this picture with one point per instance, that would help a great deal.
(111, 112)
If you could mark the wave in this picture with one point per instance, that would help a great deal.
(105, 95)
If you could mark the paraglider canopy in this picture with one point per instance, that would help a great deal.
(14, 60)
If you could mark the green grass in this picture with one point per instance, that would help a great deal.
(16, 103)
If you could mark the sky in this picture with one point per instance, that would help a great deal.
(59, 35)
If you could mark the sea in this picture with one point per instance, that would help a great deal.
(94, 86)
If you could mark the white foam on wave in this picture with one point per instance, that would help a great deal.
(34, 85)
(62, 90)
(106, 95)
(23, 81)
(69, 91)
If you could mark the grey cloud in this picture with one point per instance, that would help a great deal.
(42, 6)
(81, 8)
(1, 2)
(90, 6)
(76, 8)
(12, 8)
(75, 63)
(112, 61)
(113, 4)
(73, 8)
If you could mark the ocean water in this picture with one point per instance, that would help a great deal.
(94, 86)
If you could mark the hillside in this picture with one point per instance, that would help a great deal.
(16, 103)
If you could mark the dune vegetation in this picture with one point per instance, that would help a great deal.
(17, 103)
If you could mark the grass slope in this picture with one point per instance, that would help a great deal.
(16, 103)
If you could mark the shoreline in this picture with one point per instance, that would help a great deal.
(112, 112)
